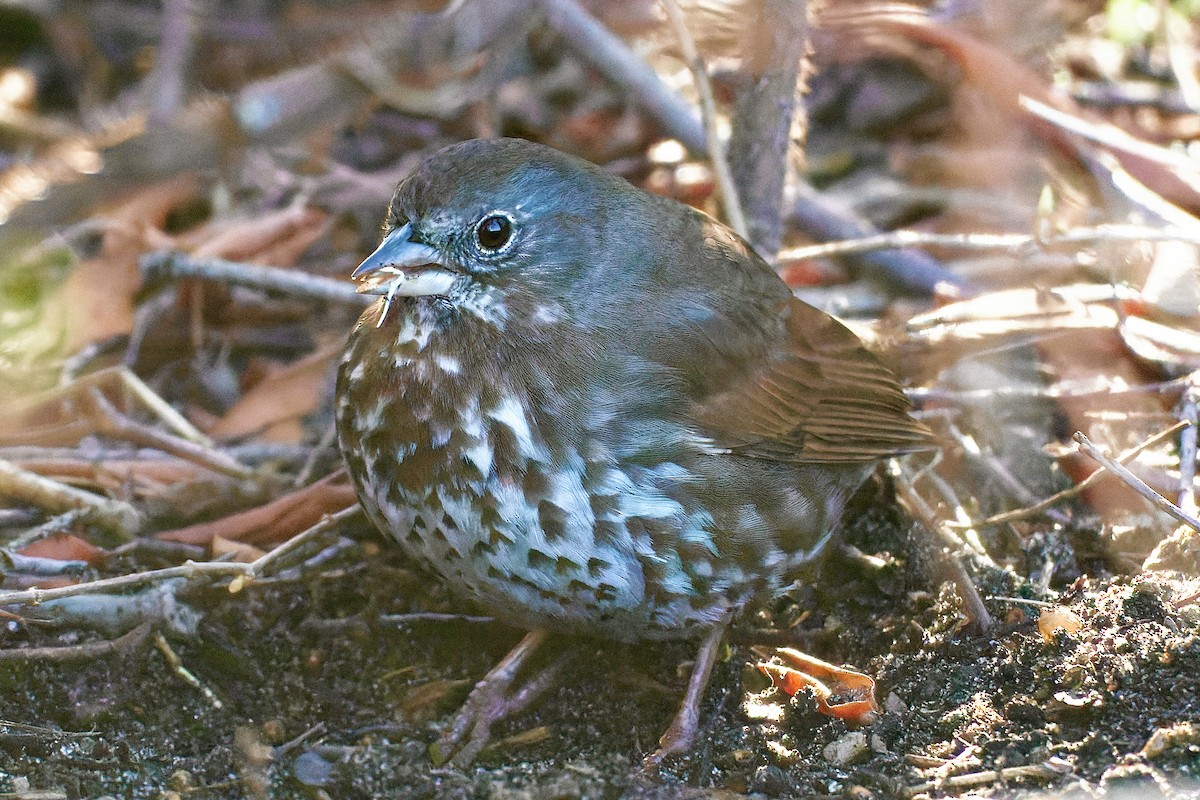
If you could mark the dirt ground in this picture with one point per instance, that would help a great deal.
(317, 689)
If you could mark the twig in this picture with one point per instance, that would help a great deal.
(1021, 601)
(310, 464)
(183, 673)
(53, 733)
(243, 574)
(730, 198)
(972, 452)
(89, 650)
(764, 111)
(1063, 389)
(115, 516)
(1046, 770)
(1113, 137)
(59, 524)
(12, 561)
(1106, 95)
(947, 554)
(1016, 244)
(1135, 483)
(1065, 494)
(172, 266)
(188, 570)
(1187, 449)
(431, 616)
(167, 83)
(160, 407)
(909, 270)
(111, 422)
(605, 51)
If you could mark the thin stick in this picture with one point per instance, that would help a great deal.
(1113, 137)
(605, 51)
(111, 422)
(89, 650)
(241, 573)
(115, 516)
(1187, 450)
(1136, 483)
(182, 672)
(1083, 485)
(161, 408)
(1017, 244)
(765, 113)
(1048, 770)
(947, 554)
(708, 114)
(172, 266)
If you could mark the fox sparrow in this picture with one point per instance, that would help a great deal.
(597, 411)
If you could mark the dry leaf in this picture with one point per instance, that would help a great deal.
(276, 521)
(274, 408)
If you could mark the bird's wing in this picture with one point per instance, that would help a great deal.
(820, 396)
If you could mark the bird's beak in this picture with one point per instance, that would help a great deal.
(404, 268)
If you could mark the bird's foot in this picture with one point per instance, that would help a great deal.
(681, 734)
(493, 699)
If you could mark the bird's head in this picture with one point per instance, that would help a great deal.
(507, 229)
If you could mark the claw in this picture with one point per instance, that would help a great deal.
(491, 701)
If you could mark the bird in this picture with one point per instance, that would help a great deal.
(596, 411)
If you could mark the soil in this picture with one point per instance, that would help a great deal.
(335, 684)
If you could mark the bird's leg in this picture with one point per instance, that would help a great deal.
(681, 734)
(491, 701)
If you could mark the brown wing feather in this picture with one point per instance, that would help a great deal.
(821, 397)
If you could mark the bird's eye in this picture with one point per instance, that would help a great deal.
(493, 231)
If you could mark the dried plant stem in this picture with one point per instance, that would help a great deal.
(1083, 485)
(1018, 244)
(88, 650)
(242, 574)
(947, 552)
(161, 408)
(1136, 483)
(730, 199)
(114, 516)
(1048, 770)
(765, 112)
(1112, 137)
(1187, 450)
(111, 422)
(172, 266)
(605, 51)
(183, 673)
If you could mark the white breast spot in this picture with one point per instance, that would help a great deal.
(510, 414)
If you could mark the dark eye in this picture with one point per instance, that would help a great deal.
(493, 231)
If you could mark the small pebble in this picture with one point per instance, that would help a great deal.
(894, 705)
(847, 749)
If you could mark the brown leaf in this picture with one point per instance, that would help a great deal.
(1004, 80)
(276, 521)
(273, 408)
(64, 547)
(246, 240)
(99, 293)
